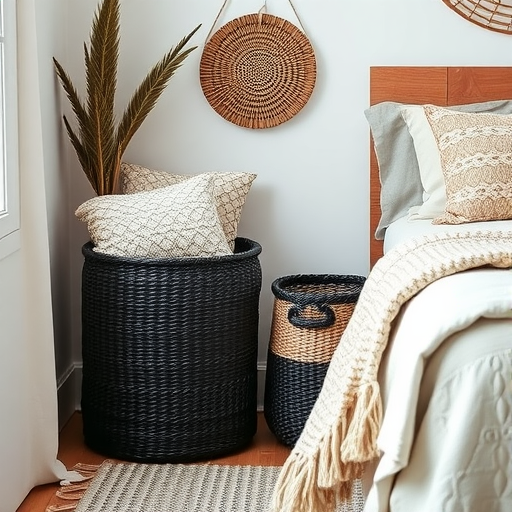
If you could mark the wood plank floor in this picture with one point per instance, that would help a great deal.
(264, 450)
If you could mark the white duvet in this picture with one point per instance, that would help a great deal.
(446, 383)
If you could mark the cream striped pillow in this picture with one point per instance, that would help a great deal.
(476, 159)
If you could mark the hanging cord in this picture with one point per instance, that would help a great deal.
(216, 19)
(262, 11)
(297, 16)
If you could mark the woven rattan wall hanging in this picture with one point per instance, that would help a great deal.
(258, 70)
(491, 14)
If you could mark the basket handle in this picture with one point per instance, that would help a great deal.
(328, 319)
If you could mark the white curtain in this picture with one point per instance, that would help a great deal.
(33, 422)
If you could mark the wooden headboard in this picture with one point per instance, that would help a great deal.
(438, 85)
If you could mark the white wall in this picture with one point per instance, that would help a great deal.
(309, 204)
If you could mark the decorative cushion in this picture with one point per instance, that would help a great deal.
(428, 159)
(476, 158)
(230, 191)
(400, 168)
(174, 221)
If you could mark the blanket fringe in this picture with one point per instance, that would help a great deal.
(329, 464)
(360, 443)
(61, 508)
(294, 485)
(318, 483)
(73, 492)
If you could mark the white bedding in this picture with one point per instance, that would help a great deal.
(446, 436)
(405, 228)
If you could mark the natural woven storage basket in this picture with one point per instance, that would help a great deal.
(309, 317)
(169, 354)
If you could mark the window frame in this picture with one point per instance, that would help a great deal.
(9, 170)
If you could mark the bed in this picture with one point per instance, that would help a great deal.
(446, 434)
(417, 401)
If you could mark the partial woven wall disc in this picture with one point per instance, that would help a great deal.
(258, 71)
(494, 15)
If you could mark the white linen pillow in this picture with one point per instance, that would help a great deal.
(230, 190)
(427, 154)
(429, 162)
(175, 221)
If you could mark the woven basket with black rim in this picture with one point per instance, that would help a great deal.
(310, 314)
(169, 354)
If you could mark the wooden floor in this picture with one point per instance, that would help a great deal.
(263, 451)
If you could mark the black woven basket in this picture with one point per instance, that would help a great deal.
(309, 317)
(169, 354)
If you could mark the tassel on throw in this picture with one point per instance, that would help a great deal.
(360, 443)
(296, 489)
(318, 483)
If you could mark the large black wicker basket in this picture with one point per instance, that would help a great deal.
(169, 354)
(310, 314)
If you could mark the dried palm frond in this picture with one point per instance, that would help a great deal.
(97, 141)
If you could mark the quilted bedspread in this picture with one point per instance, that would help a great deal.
(446, 384)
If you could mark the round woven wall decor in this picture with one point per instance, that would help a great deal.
(491, 14)
(258, 71)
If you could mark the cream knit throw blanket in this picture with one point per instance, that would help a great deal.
(340, 435)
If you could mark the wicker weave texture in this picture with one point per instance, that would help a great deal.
(291, 390)
(258, 71)
(494, 15)
(169, 354)
(305, 345)
(309, 317)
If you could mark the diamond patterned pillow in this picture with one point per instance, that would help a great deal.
(476, 160)
(174, 221)
(230, 191)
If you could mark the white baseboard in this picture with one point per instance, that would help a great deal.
(262, 372)
(69, 391)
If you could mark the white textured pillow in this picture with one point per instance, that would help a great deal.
(174, 221)
(230, 191)
(476, 158)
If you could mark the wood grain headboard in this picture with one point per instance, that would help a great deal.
(438, 85)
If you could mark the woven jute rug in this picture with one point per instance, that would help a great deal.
(131, 487)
